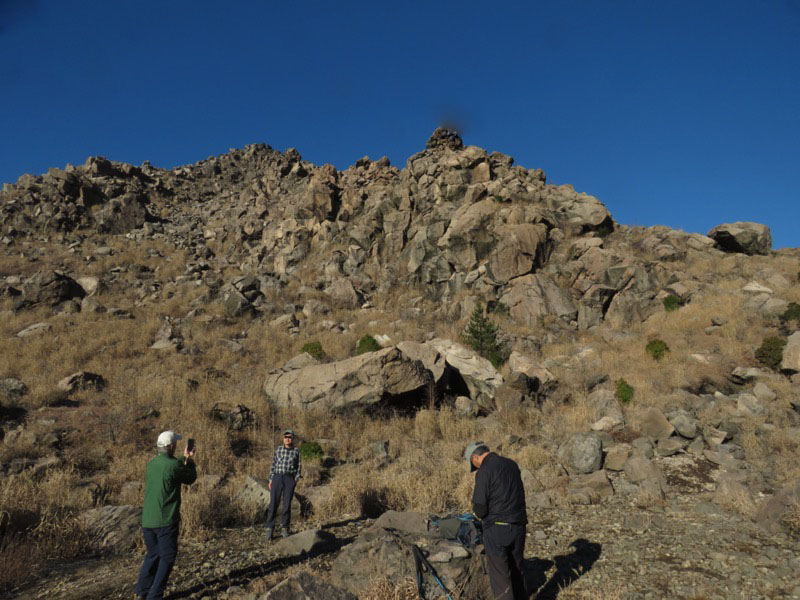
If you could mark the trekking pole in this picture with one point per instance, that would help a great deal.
(422, 564)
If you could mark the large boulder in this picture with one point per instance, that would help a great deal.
(742, 236)
(369, 379)
(581, 454)
(113, 529)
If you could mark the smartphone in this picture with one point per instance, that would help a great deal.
(190, 445)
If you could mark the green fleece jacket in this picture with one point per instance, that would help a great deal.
(162, 489)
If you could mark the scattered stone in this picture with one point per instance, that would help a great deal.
(655, 425)
(82, 380)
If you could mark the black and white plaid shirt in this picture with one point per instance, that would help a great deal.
(285, 462)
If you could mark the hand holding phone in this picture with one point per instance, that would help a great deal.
(190, 447)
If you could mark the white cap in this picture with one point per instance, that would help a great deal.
(167, 438)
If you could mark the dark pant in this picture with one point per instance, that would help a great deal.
(505, 546)
(281, 493)
(162, 548)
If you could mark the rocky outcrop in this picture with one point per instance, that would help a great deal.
(359, 382)
(742, 236)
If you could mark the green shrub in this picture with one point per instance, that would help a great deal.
(672, 303)
(770, 353)
(311, 451)
(314, 349)
(482, 335)
(367, 344)
(792, 312)
(657, 348)
(624, 391)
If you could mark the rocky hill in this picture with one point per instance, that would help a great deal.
(647, 378)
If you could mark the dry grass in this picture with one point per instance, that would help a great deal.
(791, 517)
(383, 589)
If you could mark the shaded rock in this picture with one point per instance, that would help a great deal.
(305, 586)
(481, 378)
(51, 288)
(122, 214)
(237, 417)
(82, 380)
(113, 529)
(406, 521)
(742, 236)
(12, 389)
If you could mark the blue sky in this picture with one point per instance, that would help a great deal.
(673, 113)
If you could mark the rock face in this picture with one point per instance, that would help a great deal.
(455, 219)
(742, 236)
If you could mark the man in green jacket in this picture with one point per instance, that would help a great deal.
(161, 513)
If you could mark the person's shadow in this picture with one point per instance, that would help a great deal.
(568, 568)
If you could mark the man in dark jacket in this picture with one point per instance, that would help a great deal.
(161, 513)
(499, 501)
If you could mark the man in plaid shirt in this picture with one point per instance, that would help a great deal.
(283, 476)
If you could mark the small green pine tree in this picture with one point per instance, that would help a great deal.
(481, 334)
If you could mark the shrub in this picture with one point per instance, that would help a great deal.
(770, 353)
(311, 451)
(657, 348)
(315, 350)
(792, 312)
(624, 391)
(481, 334)
(367, 344)
(672, 303)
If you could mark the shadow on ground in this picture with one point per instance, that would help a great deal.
(569, 567)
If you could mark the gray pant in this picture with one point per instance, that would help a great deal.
(281, 493)
(505, 546)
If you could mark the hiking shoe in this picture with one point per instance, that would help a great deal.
(269, 535)
(285, 533)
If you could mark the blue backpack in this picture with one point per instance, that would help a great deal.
(465, 528)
